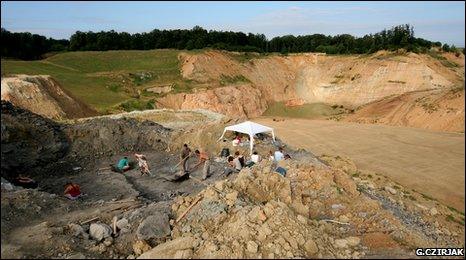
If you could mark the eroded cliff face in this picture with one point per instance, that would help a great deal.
(352, 81)
(236, 101)
(345, 80)
(41, 94)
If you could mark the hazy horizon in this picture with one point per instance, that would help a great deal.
(434, 21)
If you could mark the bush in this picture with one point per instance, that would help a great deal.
(135, 104)
(114, 87)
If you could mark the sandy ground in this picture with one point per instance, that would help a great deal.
(429, 162)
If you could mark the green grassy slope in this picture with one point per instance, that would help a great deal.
(106, 79)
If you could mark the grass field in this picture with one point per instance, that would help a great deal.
(309, 111)
(107, 79)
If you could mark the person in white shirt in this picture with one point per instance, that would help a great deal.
(255, 158)
(279, 154)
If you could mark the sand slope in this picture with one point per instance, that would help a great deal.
(435, 110)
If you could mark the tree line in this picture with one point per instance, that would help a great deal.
(27, 46)
(33, 46)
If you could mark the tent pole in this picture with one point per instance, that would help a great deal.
(251, 144)
(224, 131)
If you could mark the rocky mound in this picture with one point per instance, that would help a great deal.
(440, 110)
(41, 94)
(315, 211)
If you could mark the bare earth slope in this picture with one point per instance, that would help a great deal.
(430, 162)
(351, 80)
(240, 101)
(44, 96)
(434, 110)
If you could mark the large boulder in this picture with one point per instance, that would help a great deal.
(99, 231)
(154, 227)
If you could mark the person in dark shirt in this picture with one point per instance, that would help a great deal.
(185, 153)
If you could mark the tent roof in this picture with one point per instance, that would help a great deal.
(249, 127)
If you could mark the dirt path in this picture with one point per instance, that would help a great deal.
(429, 162)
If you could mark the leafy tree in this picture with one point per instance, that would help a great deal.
(446, 47)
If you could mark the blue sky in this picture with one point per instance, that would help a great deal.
(436, 21)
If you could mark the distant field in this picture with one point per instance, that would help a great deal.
(106, 79)
(309, 111)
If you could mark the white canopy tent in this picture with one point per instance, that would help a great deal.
(249, 128)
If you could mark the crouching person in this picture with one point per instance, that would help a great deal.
(282, 165)
(234, 166)
(72, 191)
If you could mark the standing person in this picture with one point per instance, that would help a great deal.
(279, 154)
(185, 153)
(203, 158)
(271, 157)
(142, 163)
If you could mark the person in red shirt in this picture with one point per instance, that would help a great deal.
(72, 191)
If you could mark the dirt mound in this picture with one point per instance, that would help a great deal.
(434, 110)
(106, 136)
(315, 211)
(169, 118)
(29, 141)
(41, 94)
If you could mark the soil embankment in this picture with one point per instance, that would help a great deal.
(44, 96)
(438, 110)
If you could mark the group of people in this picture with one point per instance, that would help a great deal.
(237, 162)
(124, 165)
(202, 158)
(73, 190)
